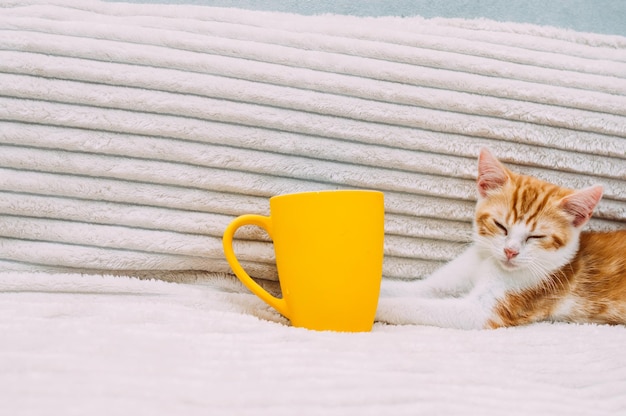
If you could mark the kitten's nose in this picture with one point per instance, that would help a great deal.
(510, 253)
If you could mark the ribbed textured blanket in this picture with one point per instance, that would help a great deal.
(130, 135)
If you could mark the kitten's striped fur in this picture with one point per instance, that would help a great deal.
(529, 262)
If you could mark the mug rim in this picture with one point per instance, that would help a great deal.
(328, 191)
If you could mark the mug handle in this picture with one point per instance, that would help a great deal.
(260, 221)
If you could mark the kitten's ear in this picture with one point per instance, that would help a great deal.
(491, 173)
(580, 204)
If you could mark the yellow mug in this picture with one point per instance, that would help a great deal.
(329, 257)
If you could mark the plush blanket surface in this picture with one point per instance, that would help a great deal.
(102, 345)
(130, 135)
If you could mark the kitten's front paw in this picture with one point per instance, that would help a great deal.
(390, 312)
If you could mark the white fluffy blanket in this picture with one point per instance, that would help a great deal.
(94, 345)
(131, 134)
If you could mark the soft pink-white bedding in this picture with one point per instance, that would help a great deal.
(102, 345)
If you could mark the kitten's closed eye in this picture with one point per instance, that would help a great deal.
(502, 227)
(535, 237)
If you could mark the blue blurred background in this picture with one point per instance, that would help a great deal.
(599, 16)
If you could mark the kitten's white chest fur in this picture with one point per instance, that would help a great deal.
(462, 294)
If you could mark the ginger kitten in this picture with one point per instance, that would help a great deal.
(529, 262)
